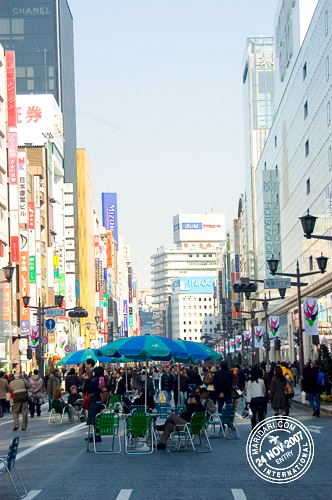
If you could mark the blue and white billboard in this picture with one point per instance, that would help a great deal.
(199, 227)
(195, 284)
(110, 213)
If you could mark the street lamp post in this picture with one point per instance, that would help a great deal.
(40, 311)
(273, 266)
(308, 224)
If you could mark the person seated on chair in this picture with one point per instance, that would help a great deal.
(68, 408)
(74, 398)
(208, 404)
(140, 401)
(193, 406)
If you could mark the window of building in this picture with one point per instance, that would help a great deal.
(210, 322)
(204, 299)
(204, 307)
(330, 157)
(306, 147)
(275, 141)
(184, 330)
(185, 338)
(308, 186)
(305, 109)
(5, 26)
(327, 68)
(311, 264)
(2, 249)
(189, 322)
(200, 298)
(304, 71)
(210, 254)
(326, 23)
(2, 213)
(328, 113)
(184, 322)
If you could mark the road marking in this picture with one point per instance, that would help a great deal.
(32, 494)
(238, 495)
(314, 428)
(124, 495)
(49, 440)
(7, 422)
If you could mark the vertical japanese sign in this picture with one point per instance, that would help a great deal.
(238, 342)
(11, 87)
(22, 188)
(12, 158)
(310, 308)
(31, 215)
(130, 285)
(24, 290)
(109, 249)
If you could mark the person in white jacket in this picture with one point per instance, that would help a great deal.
(256, 395)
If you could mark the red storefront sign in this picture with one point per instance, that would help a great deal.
(109, 249)
(14, 249)
(31, 215)
(12, 158)
(11, 88)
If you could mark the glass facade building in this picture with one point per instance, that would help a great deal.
(41, 34)
(258, 95)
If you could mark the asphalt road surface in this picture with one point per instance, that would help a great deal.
(54, 465)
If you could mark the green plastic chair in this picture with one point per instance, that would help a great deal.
(183, 435)
(114, 403)
(138, 433)
(56, 409)
(9, 464)
(106, 424)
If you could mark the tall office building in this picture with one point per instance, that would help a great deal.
(41, 34)
(198, 238)
(258, 80)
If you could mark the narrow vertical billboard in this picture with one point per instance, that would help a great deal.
(110, 214)
(11, 87)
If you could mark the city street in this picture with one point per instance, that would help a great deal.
(54, 464)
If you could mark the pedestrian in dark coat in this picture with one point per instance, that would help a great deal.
(223, 383)
(277, 391)
(72, 379)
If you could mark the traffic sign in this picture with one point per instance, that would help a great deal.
(275, 283)
(50, 324)
(44, 340)
(54, 313)
(67, 348)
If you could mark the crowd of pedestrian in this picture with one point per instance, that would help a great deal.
(89, 387)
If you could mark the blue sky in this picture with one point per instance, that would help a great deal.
(159, 108)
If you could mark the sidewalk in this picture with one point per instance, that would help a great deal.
(326, 409)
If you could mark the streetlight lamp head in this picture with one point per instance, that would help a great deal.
(247, 293)
(322, 263)
(58, 300)
(26, 300)
(282, 292)
(273, 265)
(308, 224)
(8, 272)
(237, 306)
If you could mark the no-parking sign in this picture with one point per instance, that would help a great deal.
(67, 348)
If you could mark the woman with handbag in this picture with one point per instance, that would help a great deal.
(36, 396)
(256, 395)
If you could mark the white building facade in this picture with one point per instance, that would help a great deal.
(198, 239)
(298, 153)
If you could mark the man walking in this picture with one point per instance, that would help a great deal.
(223, 383)
(167, 381)
(20, 387)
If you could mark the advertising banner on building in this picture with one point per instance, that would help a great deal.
(110, 214)
(11, 88)
(258, 337)
(231, 345)
(271, 211)
(247, 335)
(14, 249)
(80, 343)
(274, 324)
(310, 309)
(24, 290)
(31, 215)
(32, 269)
(109, 247)
(12, 158)
(22, 188)
(227, 346)
(201, 284)
(238, 342)
(70, 291)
